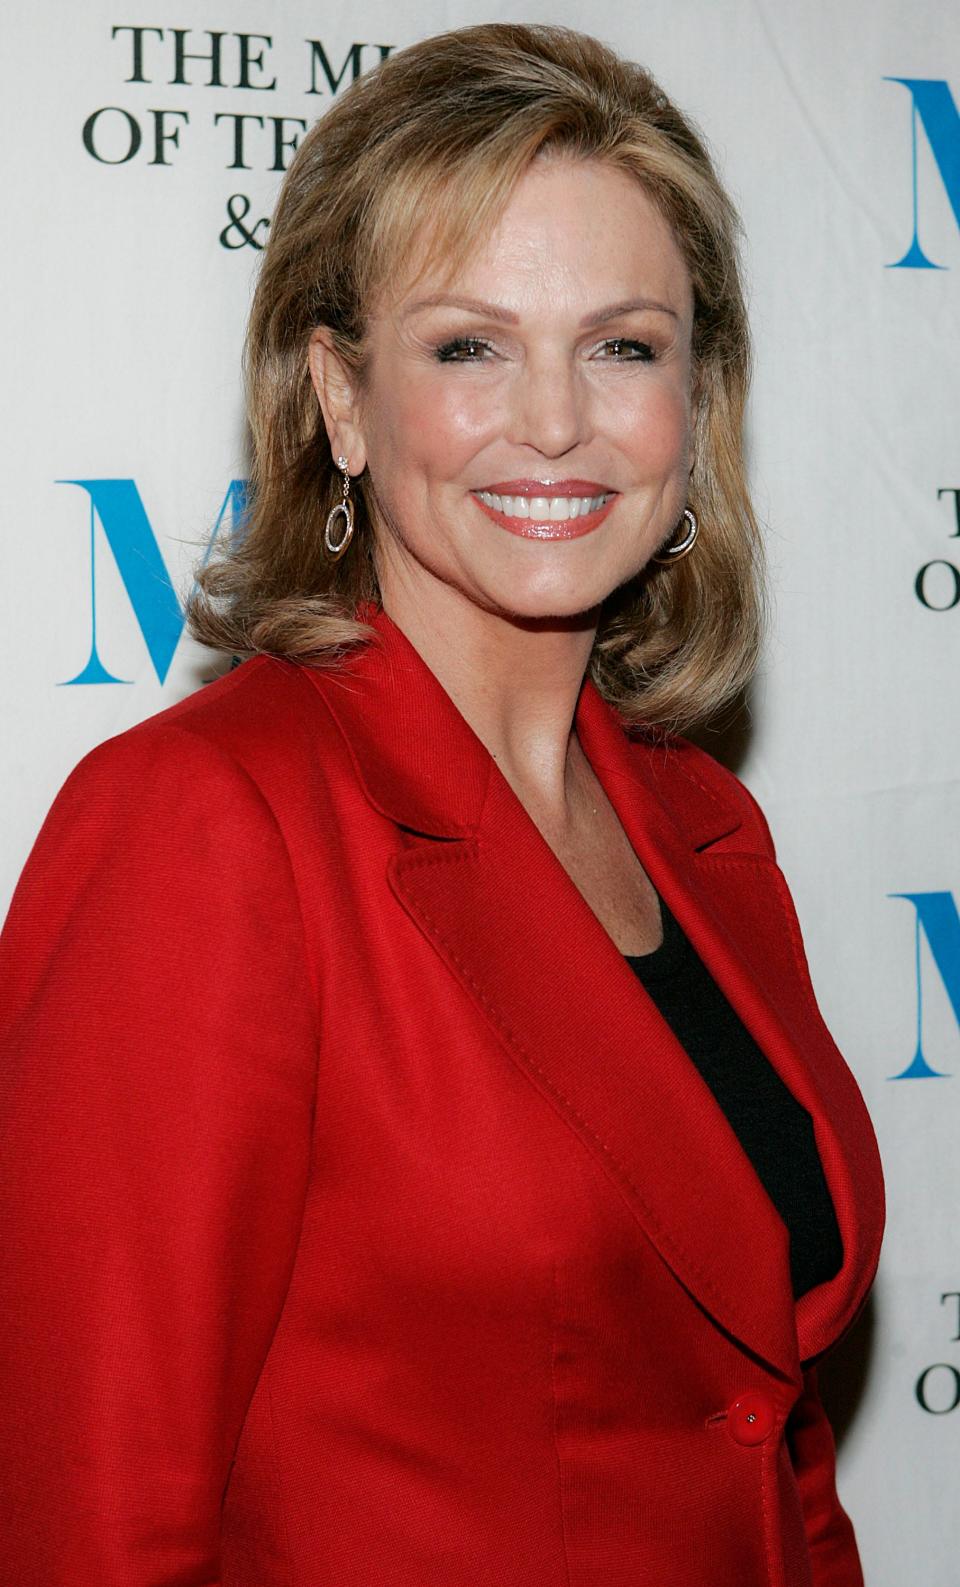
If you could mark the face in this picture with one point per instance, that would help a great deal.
(527, 426)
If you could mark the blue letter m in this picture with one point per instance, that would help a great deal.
(139, 560)
(933, 105)
(938, 920)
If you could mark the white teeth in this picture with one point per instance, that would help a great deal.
(516, 506)
(545, 509)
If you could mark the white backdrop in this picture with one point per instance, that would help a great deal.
(130, 253)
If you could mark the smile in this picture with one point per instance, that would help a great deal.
(560, 517)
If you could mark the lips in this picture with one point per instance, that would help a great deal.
(546, 510)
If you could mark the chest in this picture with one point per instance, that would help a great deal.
(605, 870)
(453, 974)
(597, 856)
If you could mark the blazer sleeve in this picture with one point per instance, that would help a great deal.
(157, 1079)
(833, 1550)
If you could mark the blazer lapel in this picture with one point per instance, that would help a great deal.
(527, 949)
(735, 907)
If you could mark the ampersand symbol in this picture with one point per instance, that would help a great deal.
(246, 238)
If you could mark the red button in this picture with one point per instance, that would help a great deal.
(752, 1418)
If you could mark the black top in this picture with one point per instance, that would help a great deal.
(774, 1130)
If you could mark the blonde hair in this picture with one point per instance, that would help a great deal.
(445, 128)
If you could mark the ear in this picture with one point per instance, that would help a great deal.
(337, 394)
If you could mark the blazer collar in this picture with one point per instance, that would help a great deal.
(514, 930)
(418, 761)
(422, 765)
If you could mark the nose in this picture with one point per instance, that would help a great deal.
(548, 406)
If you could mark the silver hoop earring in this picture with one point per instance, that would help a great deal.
(344, 510)
(680, 548)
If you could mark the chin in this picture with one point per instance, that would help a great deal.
(563, 586)
(547, 600)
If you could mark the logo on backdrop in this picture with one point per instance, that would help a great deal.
(153, 598)
(932, 107)
(936, 924)
(937, 1389)
(237, 64)
(937, 584)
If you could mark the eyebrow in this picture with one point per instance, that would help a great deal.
(494, 311)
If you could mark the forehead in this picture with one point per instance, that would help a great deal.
(572, 233)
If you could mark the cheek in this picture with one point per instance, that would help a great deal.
(429, 426)
(654, 428)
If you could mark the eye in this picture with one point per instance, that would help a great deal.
(463, 350)
(625, 349)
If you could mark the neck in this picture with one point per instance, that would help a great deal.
(516, 682)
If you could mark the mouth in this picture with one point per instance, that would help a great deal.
(536, 510)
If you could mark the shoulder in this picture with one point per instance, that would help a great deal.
(683, 770)
(213, 772)
(252, 725)
(249, 713)
(164, 864)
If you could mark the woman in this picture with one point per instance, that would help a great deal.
(425, 1162)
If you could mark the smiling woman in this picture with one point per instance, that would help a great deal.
(462, 1189)
(395, 245)
(566, 335)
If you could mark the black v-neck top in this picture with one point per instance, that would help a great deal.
(774, 1130)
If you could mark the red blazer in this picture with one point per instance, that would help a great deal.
(364, 1224)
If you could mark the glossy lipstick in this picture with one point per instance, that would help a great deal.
(539, 509)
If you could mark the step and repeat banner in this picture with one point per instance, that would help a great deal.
(144, 145)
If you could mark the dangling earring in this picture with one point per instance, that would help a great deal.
(680, 548)
(344, 508)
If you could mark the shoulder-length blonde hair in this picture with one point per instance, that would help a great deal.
(444, 129)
